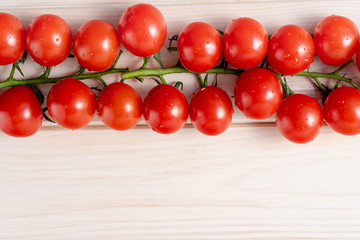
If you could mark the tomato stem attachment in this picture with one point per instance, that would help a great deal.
(200, 79)
(12, 72)
(46, 73)
(162, 79)
(117, 59)
(287, 91)
(146, 61)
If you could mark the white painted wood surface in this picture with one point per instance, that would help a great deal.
(248, 183)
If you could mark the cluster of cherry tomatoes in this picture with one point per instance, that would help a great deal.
(142, 30)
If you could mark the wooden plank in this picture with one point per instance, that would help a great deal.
(245, 184)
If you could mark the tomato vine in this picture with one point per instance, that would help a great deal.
(261, 61)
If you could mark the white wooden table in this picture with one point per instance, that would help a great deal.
(248, 183)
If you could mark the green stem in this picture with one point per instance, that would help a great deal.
(10, 82)
(171, 70)
(162, 79)
(200, 79)
(12, 72)
(333, 75)
(319, 85)
(126, 74)
(146, 61)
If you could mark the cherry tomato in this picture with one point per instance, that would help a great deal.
(165, 109)
(20, 112)
(142, 29)
(211, 110)
(245, 43)
(341, 110)
(119, 106)
(71, 103)
(48, 40)
(12, 39)
(199, 47)
(291, 50)
(336, 40)
(96, 45)
(299, 118)
(258, 93)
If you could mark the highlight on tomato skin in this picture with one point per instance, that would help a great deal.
(119, 106)
(291, 50)
(96, 45)
(165, 109)
(142, 29)
(48, 40)
(245, 43)
(12, 39)
(199, 47)
(20, 112)
(211, 110)
(299, 118)
(71, 103)
(258, 93)
(341, 110)
(336, 40)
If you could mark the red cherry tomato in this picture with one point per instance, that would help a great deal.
(165, 109)
(258, 93)
(12, 39)
(211, 110)
(199, 47)
(245, 43)
(142, 29)
(48, 40)
(291, 50)
(119, 106)
(299, 118)
(96, 45)
(20, 112)
(71, 103)
(336, 40)
(342, 110)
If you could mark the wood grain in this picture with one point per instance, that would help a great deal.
(245, 184)
(248, 183)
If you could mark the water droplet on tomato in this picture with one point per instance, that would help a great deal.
(295, 61)
(287, 55)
